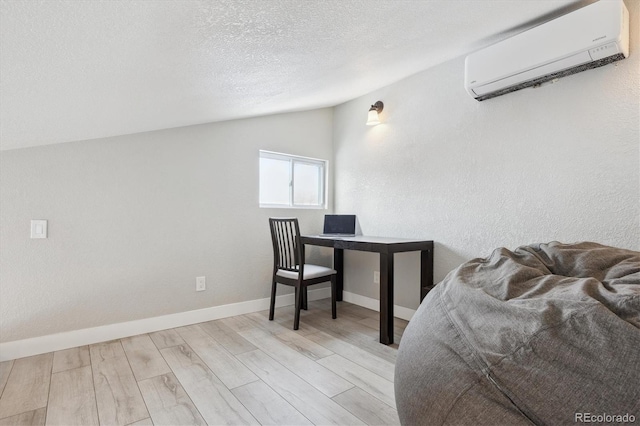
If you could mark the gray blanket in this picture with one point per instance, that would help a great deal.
(547, 334)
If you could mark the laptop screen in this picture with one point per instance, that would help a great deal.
(339, 224)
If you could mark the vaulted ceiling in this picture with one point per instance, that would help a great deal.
(74, 70)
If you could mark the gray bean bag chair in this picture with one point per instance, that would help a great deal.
(548, 334)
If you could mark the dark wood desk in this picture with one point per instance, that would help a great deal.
(386, 247)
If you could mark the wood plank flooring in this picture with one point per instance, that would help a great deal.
(239, 370)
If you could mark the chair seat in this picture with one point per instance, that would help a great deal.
(310, 272)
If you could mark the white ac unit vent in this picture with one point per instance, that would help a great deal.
(591, 37)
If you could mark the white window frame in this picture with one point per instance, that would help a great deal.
(293, 159)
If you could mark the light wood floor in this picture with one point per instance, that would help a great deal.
(238, 370)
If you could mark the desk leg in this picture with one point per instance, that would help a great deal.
(426, 272)
(338, 265)
(386, 298)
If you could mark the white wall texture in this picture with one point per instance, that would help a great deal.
(560, 162)
(134, 219)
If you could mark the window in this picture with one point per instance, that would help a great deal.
(291, 181)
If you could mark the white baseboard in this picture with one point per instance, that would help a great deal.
(374, 304)
(87, 336)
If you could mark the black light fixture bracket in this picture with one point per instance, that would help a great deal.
(378, 106)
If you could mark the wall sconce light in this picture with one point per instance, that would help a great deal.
(375, 109)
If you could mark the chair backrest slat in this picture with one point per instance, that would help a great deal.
(287, 246)
(287, 249)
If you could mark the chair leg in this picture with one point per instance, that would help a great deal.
(272, 305)
(304, 298)
(334, 290)
(296, 317)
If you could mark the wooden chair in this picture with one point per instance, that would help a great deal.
(290, 269)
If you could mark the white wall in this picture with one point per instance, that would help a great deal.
(134, 219)
(560, 162)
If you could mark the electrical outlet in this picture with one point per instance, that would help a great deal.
(376, 277)
(201, 284)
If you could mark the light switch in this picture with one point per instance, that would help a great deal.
(39, 228)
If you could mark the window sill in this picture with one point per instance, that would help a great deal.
(278, 206)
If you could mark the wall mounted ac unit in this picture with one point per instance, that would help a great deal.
(590, 37)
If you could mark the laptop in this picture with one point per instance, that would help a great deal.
(339, 225)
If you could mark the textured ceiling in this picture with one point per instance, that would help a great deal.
(74, 70)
